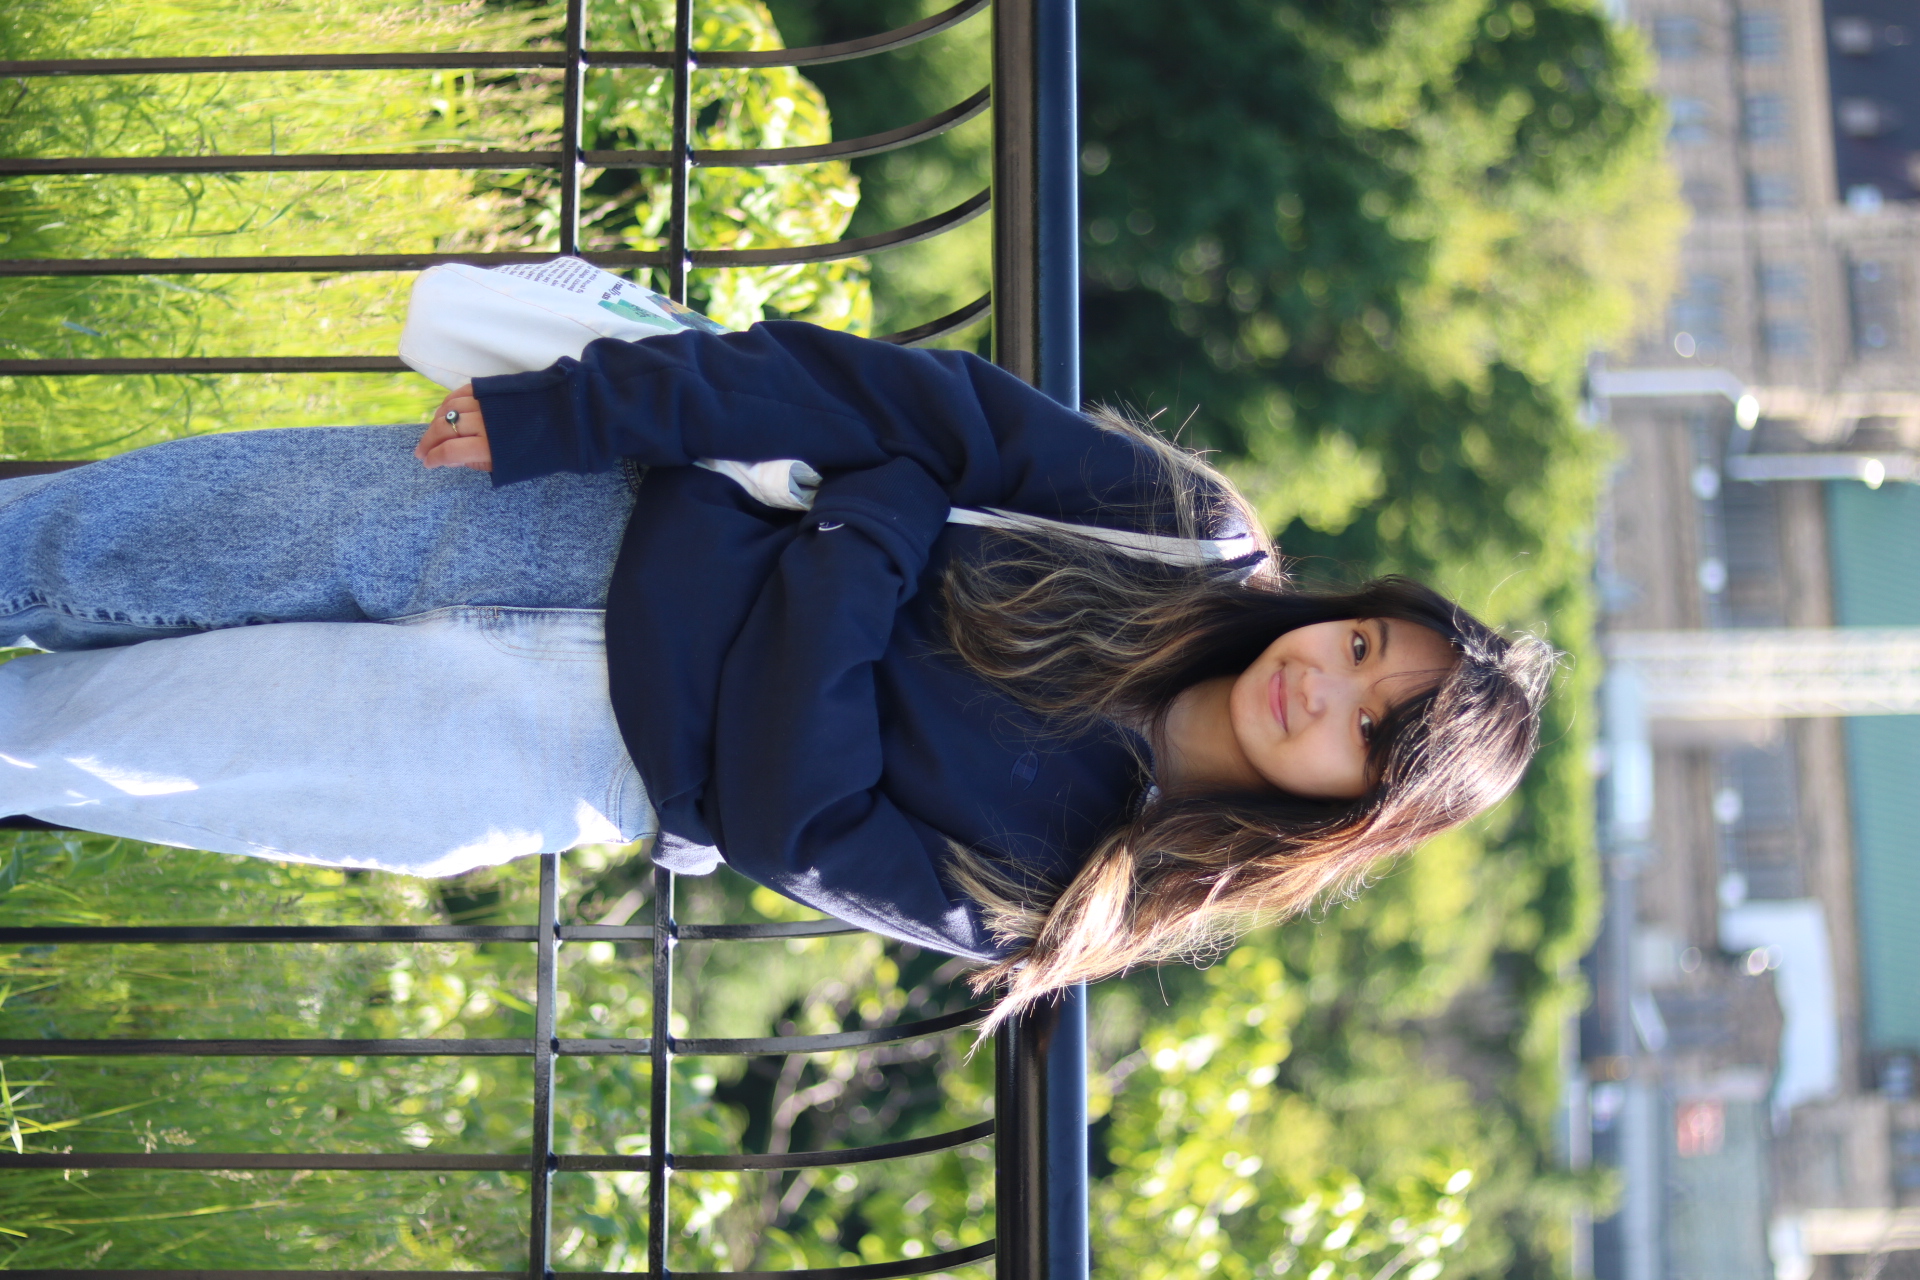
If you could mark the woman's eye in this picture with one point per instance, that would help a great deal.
(1366, 728)
(1359, 646)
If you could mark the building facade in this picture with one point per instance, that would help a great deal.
(1749, 1059)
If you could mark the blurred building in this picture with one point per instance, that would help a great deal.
(1748, 1062)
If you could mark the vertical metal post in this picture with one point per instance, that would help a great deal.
(1064, 1062)
(546, 986)
(1036, 196)
(660, 1092)
(677, 248)
(1041, 1107)
(1019, 1151)
(573, 95)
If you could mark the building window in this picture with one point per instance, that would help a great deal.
(1699, 316)
(1906, 1152)
(1853, 36)
(1756, 806)
(1874, 292)
(1703, 195)
(1676, 39)
(1765, 117)
(1762, 35)
(1689, 116)
(1863, 118)
(1789, 338)
(1783, 284)
(1769, 191)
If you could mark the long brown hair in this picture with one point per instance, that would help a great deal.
(1082, 633)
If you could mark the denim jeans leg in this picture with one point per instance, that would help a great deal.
(459, 738)
(320, 524)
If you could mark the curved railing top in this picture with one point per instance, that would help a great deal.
(508, 60)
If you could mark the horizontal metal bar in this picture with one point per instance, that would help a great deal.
(429, 1162)
(872, 144)
(806, 56)
(254, 265)
(45, 935)
(762, 932)
(783, 1160)
(509, 60)
(870, 1271)
(693, 1048)
(210, 1273)
(328, 163)
(202, 365)
(952, 322)
(964, 212)
(926, 228)
(634, 1048)
(266, 1048)
(479, 1048)
(867, 1271)
(261, 1160)
(842, 51)
(48, 935)
(739, 158)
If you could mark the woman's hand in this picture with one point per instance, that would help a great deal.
(460, 443)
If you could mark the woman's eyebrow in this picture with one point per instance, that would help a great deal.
(1386, 638)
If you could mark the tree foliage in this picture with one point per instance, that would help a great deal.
(1363, 250)
(1379, 239)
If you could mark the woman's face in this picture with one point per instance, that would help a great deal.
(1304, 713)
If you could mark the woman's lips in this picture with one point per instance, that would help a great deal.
(1277, 698)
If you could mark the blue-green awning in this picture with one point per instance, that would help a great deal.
(1874, 541)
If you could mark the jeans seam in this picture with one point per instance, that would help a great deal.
(625, 778)
(97, 617)
(571, 651)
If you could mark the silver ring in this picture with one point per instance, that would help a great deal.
(453, 417)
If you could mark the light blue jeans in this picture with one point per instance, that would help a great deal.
(430, 695)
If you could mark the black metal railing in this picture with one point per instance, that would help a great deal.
(1040, 1127)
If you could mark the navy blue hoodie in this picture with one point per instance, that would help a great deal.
(780, 678)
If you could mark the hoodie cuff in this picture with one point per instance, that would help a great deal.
(897, 505)
(530, 423)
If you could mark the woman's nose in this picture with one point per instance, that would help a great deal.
(1323, 691)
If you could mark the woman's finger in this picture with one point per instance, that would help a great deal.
(471, 452)
(437, 433)
(439, 430)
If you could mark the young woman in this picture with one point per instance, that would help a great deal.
(1065, 747)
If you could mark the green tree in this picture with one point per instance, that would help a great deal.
(1363, 249)
(918, 282)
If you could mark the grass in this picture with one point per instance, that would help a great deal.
(450, 1105)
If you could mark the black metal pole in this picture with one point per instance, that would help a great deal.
(1065, 1063)
(1036, 196)
(679, 175)
(573, 95)
(660, 1082)
(1040, 1107)
(1041, 1104)
(545, 999)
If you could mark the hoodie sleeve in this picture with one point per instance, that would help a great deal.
(838, 402)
